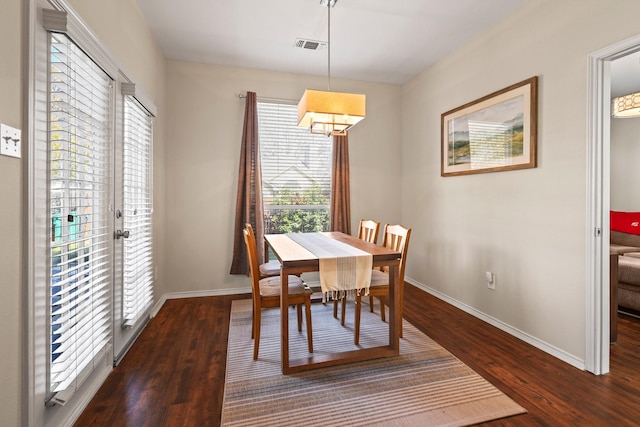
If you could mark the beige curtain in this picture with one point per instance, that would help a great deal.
(340, 193)
(249, 199)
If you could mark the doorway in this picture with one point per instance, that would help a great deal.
(598, 202)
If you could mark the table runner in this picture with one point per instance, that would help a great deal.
(343, 268)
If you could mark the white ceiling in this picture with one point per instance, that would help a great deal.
(387, 41)
(625, 75)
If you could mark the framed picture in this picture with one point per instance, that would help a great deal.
(494, 133)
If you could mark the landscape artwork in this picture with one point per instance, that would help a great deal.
(494, 133)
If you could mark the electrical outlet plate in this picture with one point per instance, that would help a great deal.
(491, 280)
(10, 141)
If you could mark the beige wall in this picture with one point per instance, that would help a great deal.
(204, 129)
(625, 173)
(11, 103)
(528, 226)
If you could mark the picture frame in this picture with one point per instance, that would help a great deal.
(497, 132)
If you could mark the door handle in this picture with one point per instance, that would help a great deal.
(120, 233)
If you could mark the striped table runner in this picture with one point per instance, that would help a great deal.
(342, 267)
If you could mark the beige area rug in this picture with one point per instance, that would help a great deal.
(424, 386)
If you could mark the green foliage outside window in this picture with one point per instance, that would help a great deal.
(313, 214)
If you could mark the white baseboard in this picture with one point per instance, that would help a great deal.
(195, 294)
(529, 339)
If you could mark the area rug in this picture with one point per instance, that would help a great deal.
(424, 386)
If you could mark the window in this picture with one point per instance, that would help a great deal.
(81, 231)
(138, 207)
(296, 172)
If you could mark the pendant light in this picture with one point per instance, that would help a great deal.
(326, 112)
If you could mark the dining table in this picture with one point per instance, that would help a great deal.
(301, 253)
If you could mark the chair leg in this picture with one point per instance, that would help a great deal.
(371, 303)
(253, 316)
(357, 325)
(307, 309)
(299, 310)
(343, 298)
(256, 327)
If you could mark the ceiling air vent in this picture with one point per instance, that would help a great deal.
(310, 44)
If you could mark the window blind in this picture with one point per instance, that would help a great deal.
(81, 230)
(138, 209)
(296, 171)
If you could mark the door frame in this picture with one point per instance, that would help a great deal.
(598, 201)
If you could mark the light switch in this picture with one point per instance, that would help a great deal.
(10, 141)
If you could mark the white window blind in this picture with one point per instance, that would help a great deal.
(81, 230)
(138, 209)
(296, 171)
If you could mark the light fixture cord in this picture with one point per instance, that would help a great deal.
(329, 45)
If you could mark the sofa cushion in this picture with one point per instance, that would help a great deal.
(628, 297)
(633, 254)
(624, 239)
(629, 270)
(623, 250)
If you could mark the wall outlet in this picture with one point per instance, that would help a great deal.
(491, 280)
(10, 141)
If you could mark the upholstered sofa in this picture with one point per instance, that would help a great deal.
(625, 241)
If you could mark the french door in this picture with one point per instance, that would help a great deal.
(79, 171)
(96, 176)
(133, 267)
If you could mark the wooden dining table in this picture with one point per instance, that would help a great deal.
(295, 259)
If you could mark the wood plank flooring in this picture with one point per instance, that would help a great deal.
(174, 374)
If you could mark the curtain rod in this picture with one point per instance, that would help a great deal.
(272, 100)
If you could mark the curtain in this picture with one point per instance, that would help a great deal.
(249, 200)
(340, 193)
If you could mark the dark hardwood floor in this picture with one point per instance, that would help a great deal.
(174, 374)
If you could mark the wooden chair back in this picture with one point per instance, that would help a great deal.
(368, 230)
(249, 227)
(396, 237)
(252, 254)
(267, 268)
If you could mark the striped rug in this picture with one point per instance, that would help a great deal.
(424, 386)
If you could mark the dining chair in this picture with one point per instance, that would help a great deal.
(395, 237)
(269, 268)
(367, 231)
(266, 294)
